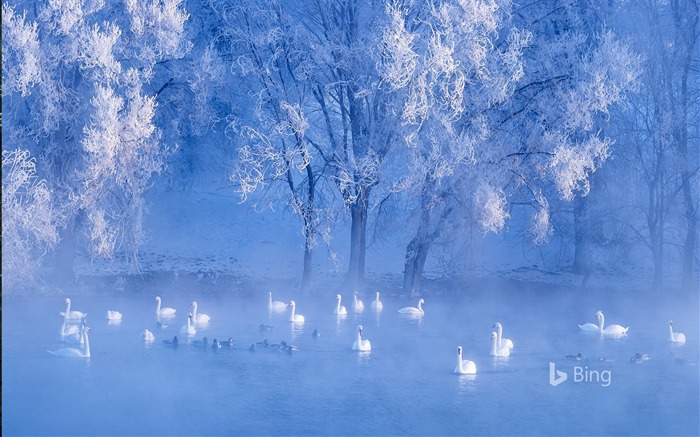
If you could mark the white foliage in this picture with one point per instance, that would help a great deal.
(159, 25)
(572, 163)
(96, 49)
(21, 67)
(540, 226)
(205, 82)
(491, 208)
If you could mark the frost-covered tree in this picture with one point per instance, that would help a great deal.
(29, 219)
(81, 80)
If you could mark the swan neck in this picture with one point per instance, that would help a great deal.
(670, 330)
(194, 309)
(499, 327)
(601, 322)
(459, 363)
(494, 347)
(86, 339)
(158, 306)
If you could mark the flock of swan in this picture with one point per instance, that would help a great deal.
(75, 330)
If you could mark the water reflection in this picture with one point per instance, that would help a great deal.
(466, 384)
(296, 330)
(363, 356)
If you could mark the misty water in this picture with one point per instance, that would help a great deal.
(404, 386)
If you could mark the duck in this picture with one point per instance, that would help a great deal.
(216, 344)
(502, 341)
(315, 335)
(293, 316)
(147, 336)
(639, 358)
(200, 343)
(200, 318)
(174, 342)
(72, 352)
(675, 337)
(464, 367)
(578, 357)
(340, 310)
(377, 304)
(71, 315)
(227, 343)
(357, 305)
(360, 344)
(164, 311)
(275, 306)
(496, 349)
(113, 315)
(188, 329)
(266, 328)
(414, 311)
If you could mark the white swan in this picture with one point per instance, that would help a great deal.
(464, 367)
(675, 337)
(293, 316)
(71, 333)
(340, 310)
(360, 344)
(590, 327)
(496, 350)
(502, 341)
(275, 306)
(414, 311)
(113, 315)
(71, 315)
(147, 336)
(164, 311)
(357, 305)
(188, 329)
(612, 329)
(201, 317)
(71, 352)
(376, 304)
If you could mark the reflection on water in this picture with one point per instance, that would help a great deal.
(400, 387)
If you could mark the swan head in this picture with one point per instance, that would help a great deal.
(157, 299)
(459, 350)
(421, 301)
(494, 336)
(670, 322)
(599, 314)
(497, 325)
(291, 304)
(67, 301)
(337, 296)
(189, 316)
(359, 329)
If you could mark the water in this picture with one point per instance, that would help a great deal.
(405, 386)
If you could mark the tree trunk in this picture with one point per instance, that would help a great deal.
(583, 259)
(64, 272)
(358, 235)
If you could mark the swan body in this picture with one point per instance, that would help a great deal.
(611, 329)
(71, 352)
(496, 349)
(71, 315)
(414, 311)
(464, 367)
(199, 317)
(147, 336)
(357, 305)
(275, 306)
(340, 310)
(188, 329)
(675, 337)
(163, 311)
(360, 344)
(113, 315)
(293, 316)
(71, 333)
(502, 341)
(377, 304)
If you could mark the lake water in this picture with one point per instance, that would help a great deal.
(404, 386)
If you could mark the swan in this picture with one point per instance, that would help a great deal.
(71, 315)
(591, 327)
(293, 317)
(199, 318)
(413, 311)
(340, 310)
(71, 333)
(360, 344)
(188, 328)
(496, 350)
(612, 329)
(275, 306)
(72, 352)
(147, 336)
(464, 367)
(376, 304)
(165, 311)
(502, 341)
(113, 315)
(675, 337)
(357, 305)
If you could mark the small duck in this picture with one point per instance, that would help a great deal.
(265, 328)
(252, 347)
(315, 334)
(215, 344)
(172, 342)
(288, 347)
(640, 358)
(200, 343)
(227, 343)
(578, 357)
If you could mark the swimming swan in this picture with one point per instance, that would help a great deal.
(496, 350)
(71, 333)
(464, 367)
(199, 318)
(165, 311)
(360, 344)
(188, 328)
(590, 327)
(357, 305)
(413, 311)
(71, 315)
(612, 329)
(293, 316)
(147, 336)
(339, 310)
(675, 337)
(275, 306)
(113, 315)
(376, 304)
(71, 352)
(502, 341)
